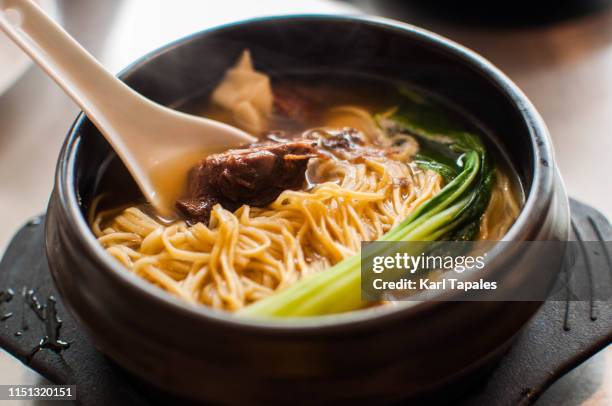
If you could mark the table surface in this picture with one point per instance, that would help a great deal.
(565, 69)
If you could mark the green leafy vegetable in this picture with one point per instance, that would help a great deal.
(452, 214)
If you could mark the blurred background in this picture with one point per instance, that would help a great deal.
(558, 52)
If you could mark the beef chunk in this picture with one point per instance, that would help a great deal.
(197, 209)
(255, 175)
(297, 103)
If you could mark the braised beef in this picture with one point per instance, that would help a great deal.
(296, 103)
(197, 209)
(255, 175)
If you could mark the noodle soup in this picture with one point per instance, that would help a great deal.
(340, 160)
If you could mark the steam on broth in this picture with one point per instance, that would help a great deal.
(338, 162)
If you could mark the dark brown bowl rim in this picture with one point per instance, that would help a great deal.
(538, 198)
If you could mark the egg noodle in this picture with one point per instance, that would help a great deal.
(244, 256)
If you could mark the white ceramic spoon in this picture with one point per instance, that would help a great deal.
(157, 144)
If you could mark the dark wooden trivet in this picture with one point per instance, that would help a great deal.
(558, 338)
